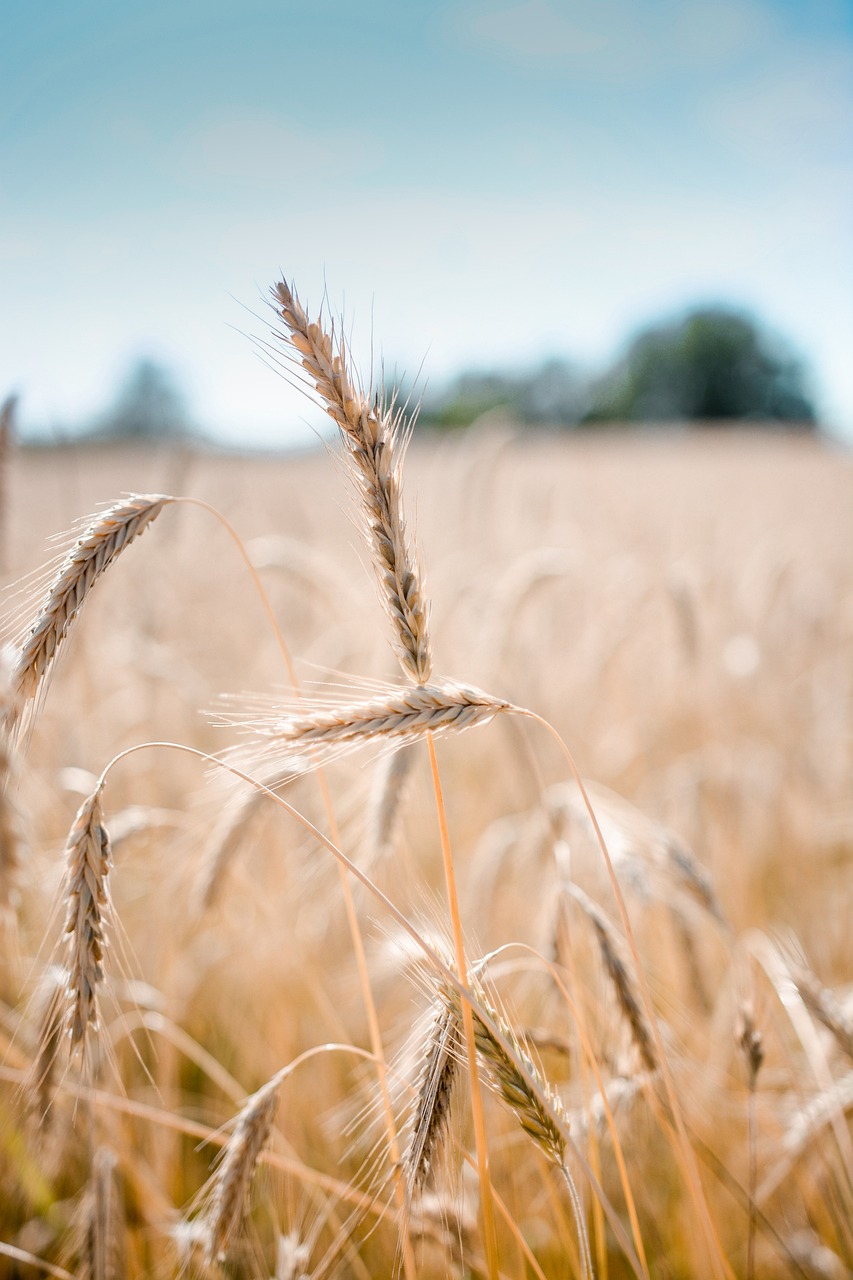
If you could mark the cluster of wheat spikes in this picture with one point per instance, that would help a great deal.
(571, 1165)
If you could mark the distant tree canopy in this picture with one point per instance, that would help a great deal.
(148, 407)
(712, 364)
(552, 392)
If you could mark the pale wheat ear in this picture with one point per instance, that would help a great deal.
(229, 1193)
(102, 541)
(87, 920)
(619, 974)
(101, 1224)
(437, 1084)
(375, 437)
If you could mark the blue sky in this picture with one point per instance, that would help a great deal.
(473, 183)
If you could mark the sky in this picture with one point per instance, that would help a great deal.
(468, 184)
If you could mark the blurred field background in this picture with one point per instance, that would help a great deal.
(607, 249)
(681, 609)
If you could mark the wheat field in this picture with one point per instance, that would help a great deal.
(224, 1053)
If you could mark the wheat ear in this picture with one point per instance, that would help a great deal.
(375, 436)
(104, 539)
(103, 1225)
(236, 1170)
(617, 970)
(385, 806)
(824, 1005)
(435, 1090)
(526, 1102)
(404, 713)
(87, 856)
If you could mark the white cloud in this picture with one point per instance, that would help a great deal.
(798, 110)
(262, 148)
(616, 40)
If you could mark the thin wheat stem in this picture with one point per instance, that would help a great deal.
(478, 1114)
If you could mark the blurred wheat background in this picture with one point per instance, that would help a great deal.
(681, 610)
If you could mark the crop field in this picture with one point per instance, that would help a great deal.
(562, 994)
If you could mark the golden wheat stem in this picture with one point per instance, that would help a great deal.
(38, 1264)
(592, 1061)
(478, 1114)
(375, 1034)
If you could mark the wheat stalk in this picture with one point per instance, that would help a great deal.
(103, 540)
(375, 436)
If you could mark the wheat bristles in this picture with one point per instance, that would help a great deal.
(234, 1175)
(87, 917)
(435, 1091)
(375, 439)
(104, 539)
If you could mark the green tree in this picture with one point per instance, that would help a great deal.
(553, 392)
(711, 364)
